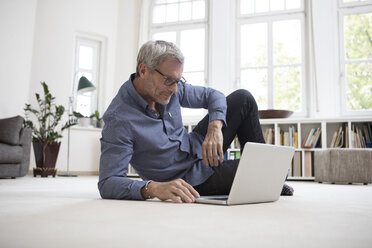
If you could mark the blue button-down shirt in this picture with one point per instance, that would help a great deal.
(156, 144)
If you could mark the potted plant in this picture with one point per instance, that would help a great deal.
(98, 119)
(46, 131)
(83, 121)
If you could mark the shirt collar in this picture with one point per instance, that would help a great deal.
(134, 94)
(141, 102)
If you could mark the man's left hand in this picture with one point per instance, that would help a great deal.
(212, 145)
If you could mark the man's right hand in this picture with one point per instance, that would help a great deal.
(177, 190)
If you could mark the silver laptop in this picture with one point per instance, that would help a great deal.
(260, 175)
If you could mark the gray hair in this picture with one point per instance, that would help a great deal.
(153, 53)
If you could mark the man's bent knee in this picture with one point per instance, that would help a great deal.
(243, 96)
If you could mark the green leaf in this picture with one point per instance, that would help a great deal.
(45, 124)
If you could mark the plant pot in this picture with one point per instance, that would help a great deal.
(46, 154)
(99, 124)
(84, 121)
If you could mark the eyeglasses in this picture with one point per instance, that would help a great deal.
(169, 81)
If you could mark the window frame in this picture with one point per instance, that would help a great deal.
(181, 26)
(341, 3)
(177, 23)
(344, 10)
(178, 27)
(98, 43)
(269, 13)
(269, 18)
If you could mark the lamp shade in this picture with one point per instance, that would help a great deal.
(85, 85)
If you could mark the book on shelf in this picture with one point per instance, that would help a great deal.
(296, 139)
(367, 134)
(338, 138)
(346, 135)
(305, 142)
(296, 165)
(234, 155)
(312, 138)
(309, 167)
(360, 136)
(236, 143)
(288, 138)
(269, 135)
(333, 139)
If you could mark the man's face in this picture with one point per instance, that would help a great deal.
(155, 89)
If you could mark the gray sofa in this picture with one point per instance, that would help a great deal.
(343, 165)
(15, 145)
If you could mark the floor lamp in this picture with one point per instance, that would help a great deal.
(84, 86)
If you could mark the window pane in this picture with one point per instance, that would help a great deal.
(85, 57)
(287, 42)
(177, 10)
(253, 45)
(276, 5)
(192, 46)
(195, 78)
(187, 112)
(292, 4)
(185, 11)
(358, 32)
(287, 88)
(158, 15)
(255, 80)
(172, 13)
(198, 10)
(84, 101)
(359, 86)
(167, 36)
(262, 6)
(246, 7)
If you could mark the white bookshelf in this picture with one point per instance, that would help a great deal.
(302, 127)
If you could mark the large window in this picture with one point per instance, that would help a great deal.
(184, 22)
(356, 55)
(87, 63)
(271, 52)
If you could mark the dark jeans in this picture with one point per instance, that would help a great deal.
(242, 121)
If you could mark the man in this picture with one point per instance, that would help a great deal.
(143, 127)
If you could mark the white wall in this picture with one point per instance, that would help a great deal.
(56, 25)
(127, 41)
(53, 53)
(17, 19)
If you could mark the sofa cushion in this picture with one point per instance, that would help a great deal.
(9, 170)
(10, 130)
(10, 154)
(343, 165)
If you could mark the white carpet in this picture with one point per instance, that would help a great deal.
(68, 212)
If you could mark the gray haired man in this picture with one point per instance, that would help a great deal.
(143, 127)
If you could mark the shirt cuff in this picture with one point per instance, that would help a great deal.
(217, 116)
(136, 190)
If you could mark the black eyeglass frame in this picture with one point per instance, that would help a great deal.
(168, 81)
